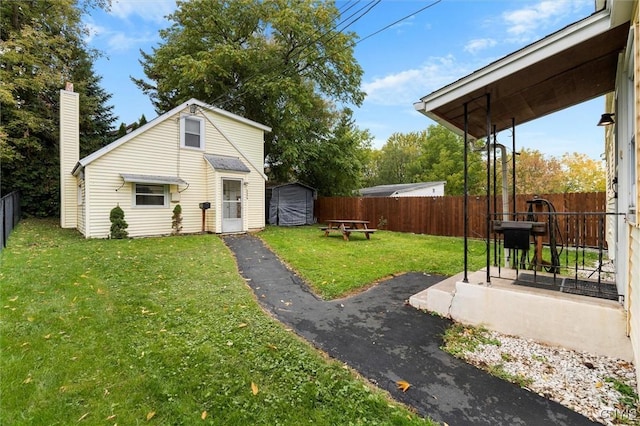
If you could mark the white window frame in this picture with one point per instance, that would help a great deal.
(183, 129)
(165, 196)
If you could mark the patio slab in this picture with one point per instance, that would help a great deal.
(581, 323)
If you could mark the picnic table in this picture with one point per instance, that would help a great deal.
(346, 227)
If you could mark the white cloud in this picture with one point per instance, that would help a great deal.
(405, 87)
(93, 30)
(148, 10)
(119, 41)
(479, 44)
(526, 21)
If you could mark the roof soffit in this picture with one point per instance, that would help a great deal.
(571, 66)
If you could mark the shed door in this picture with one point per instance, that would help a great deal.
(231, 205)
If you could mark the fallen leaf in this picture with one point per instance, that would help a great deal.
(13, 299)
(254, 388)
(150, 415)
(229, 343)
(48, 336)
(111, 417)
(84, 416)
(403, 385)
(27, 380)
(272, 346)
(204, 415)
(598, 385)
(242, 325)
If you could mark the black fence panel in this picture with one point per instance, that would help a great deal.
(9, 216)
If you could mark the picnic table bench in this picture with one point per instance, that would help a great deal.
(346, 227)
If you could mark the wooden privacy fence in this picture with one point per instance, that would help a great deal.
(444, 215)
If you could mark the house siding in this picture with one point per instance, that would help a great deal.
(69, 156)
(228, 134)
(633, 294)
(157, 151)
(81, 207)
(634, 230)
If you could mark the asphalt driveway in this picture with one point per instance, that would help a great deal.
(378, 334)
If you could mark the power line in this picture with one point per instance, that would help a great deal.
(357, 15)
(399, 20)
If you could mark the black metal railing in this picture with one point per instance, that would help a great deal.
(563, 251)
(9, 216)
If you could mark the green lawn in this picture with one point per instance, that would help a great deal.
(165, 331)
(334, 267)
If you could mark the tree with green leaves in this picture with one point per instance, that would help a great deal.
(334, 164)
(42, 48)
(435, 154)
(283, 63)
(442, 159)
(582, 174)
(398, 162)
(537, 173)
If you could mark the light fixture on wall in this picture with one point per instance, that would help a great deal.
(192, 108)
(606, 119)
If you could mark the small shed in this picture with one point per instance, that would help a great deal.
(291, 204)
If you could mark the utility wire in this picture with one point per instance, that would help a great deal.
(357, 15)
(398, 21)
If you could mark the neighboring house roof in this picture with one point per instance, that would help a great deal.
(223, 162)
(389, 190)
(115, 144)
(570, 66)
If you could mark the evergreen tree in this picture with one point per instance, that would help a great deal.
(43, 48)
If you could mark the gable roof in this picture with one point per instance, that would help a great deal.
(570, 66)
(83, 162)
(388, 190)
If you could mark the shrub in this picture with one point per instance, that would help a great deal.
(176, 219)
(118, 224)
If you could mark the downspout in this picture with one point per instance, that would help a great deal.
(505, 190)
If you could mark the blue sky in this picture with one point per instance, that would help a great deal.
(422, 53)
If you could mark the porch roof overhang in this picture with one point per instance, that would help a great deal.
(152, 179)
(223, 162)
(570, 66)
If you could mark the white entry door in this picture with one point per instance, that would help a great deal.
(231, 205)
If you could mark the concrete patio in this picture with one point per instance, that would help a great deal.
(581, 323)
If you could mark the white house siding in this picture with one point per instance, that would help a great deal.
(210, 197)
(244, 138)
(157, 152)
(634, 295)
(255, 194)
(634, 230)
(432, 191)
(69, 156)
(81, 207)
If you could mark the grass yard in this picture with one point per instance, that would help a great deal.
(334, 267)
(165, 331)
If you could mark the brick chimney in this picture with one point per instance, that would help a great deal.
(69, 155)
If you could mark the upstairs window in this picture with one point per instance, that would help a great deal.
(192, 132)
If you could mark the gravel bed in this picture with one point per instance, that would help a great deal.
(583, 382)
